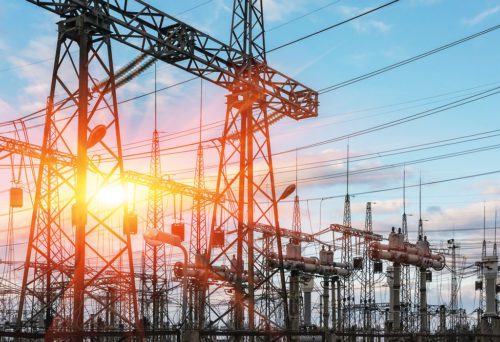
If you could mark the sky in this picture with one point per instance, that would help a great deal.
(395, 33)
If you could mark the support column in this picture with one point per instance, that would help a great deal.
(294, 302)
(81, 184)
(442, 321)
(389, 318)
(334, 299)
(396, 304)
(326, 307)
(423, 301)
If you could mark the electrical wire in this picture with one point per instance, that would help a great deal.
(406, 61)
(303, 15)
(332, 26)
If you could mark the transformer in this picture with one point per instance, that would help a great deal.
(378, 267)
(357, 263)
(130, 223)
(218, 239)
(178, 229)
(16, 197)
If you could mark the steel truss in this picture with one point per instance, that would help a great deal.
(154, 282)
(103, 294)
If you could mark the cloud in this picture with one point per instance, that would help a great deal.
(35, 75)
(6, 109)
(481, 16)
(371, 26)
(434, 209)
(364, 25)
(276, 10)
(490, 189)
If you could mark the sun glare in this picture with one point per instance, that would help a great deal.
(111, 196)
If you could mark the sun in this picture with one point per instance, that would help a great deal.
(111, 195)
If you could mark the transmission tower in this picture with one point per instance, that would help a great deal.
(294, 304)
(406, 285)
(250, 196)
(348, 318)
(482, 300)
(454, 286)
(367, 298)
(198, 240)
(154, 269)
(416, 286)
(56, 282)
(259, 96)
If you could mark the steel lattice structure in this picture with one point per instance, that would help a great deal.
(407, 318)
(259, 96)
(348, 301)
(154, 282)
(75, 300)
(367, 295)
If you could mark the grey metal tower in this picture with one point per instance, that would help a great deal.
(367, 298)
(406, 286)
(348, 318)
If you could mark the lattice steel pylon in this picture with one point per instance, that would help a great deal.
(416, 284)
(367, 295)
(348, 314)
(482, 299)
(57, 279)
(154, 269)
(198, 240)
(294, 294)
(250, 196)
(454, 286)
(406, 285)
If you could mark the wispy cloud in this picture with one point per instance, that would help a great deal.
(478, 18)
(364, 25)
(276, 10)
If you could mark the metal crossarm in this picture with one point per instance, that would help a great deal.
(169, 186)
(151, 31)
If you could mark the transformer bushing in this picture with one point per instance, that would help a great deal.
(490, 270)
(400, 252)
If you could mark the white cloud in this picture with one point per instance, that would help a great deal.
(482, 16)
(363, 25)
(276, 10)
(6, 110)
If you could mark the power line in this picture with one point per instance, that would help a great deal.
(397, 165)
(332, 26)
(406, 61)
(303, 16)
(450, 105)
(385, 153)
(489, 173)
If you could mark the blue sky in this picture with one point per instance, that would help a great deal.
(400, 31)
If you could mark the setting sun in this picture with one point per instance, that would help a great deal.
(111, 195)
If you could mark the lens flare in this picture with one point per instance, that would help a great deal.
(111, 196)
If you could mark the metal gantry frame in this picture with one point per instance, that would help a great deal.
(259, 96)
(77, 300)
